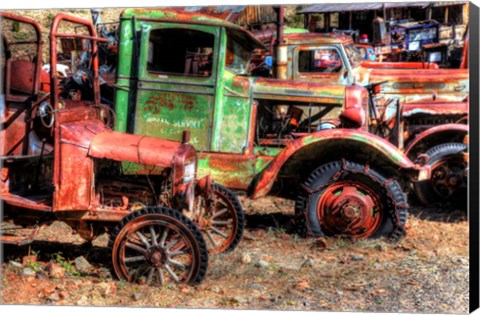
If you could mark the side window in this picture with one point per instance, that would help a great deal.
(320, 61)
(180, 52)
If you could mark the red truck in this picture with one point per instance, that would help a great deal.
(434, 102)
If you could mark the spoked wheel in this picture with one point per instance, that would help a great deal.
(345, 198)
(448, 183)
(158, 245)
(221, 219)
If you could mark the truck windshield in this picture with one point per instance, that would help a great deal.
(354, 56)
(238, 57)
(422, 34)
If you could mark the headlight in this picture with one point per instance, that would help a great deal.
(189, 172)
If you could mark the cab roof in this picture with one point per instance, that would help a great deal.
(317, 38)
(182, 16)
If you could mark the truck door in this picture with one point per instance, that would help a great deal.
(319, 64)
(176, 82)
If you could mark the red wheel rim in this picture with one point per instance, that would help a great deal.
(350, 208)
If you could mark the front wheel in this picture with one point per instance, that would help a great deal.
(156, 246)
(448, 181)
(346, 198)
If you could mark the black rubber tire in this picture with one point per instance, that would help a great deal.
(240, 215)
(179, 220)
(389, 191)
(424, 190)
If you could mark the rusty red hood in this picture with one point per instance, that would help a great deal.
(453, 82)
(104, 143)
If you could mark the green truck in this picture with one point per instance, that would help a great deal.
(179, 71)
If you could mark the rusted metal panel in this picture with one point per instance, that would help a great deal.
(266, 179)
(411, 82)
(399, 65)
(133, 148)
(35, 78)
(435, 108)
(19, 201)
(231, 170)
(288, 90)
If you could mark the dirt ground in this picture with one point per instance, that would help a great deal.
(272, 268)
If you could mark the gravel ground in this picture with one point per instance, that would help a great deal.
(271, 269)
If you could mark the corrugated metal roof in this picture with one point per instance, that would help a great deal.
(217, 9)
(367, 6)
(448, 3)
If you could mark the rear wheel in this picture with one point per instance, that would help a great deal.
(220, 218)
(346, 198)
(448, 182)
(158, 245)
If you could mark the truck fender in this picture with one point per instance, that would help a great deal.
(435, 136)
(347, 142)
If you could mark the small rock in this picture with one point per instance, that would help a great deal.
(42, 275)
(463, 261)
(285, 236)
(307, 263)
(302, 285)
(104, 288)
(15, 264)
(104, 273)
(379, 247)
(263, 264)
(83, 301)
(218, 290)
(28, 272)
(239, 299)
(63, 294)
(255, 287)
(137, 296)
(56, 271)
(81, 264)
(246, 259)
(357, 257)
(54, 296)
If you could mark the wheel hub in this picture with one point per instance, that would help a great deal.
(349, 212)
(349, 208)
(156, 256)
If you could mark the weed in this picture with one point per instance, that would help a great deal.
(341, 243)
(68, 266)
(35, 266)
(122, 284)
(50, 18)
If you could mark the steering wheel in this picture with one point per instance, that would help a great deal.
(46, 113)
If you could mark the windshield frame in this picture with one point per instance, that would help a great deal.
(353, 55)
(241, 56)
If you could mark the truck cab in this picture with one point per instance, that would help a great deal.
(309, 58)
